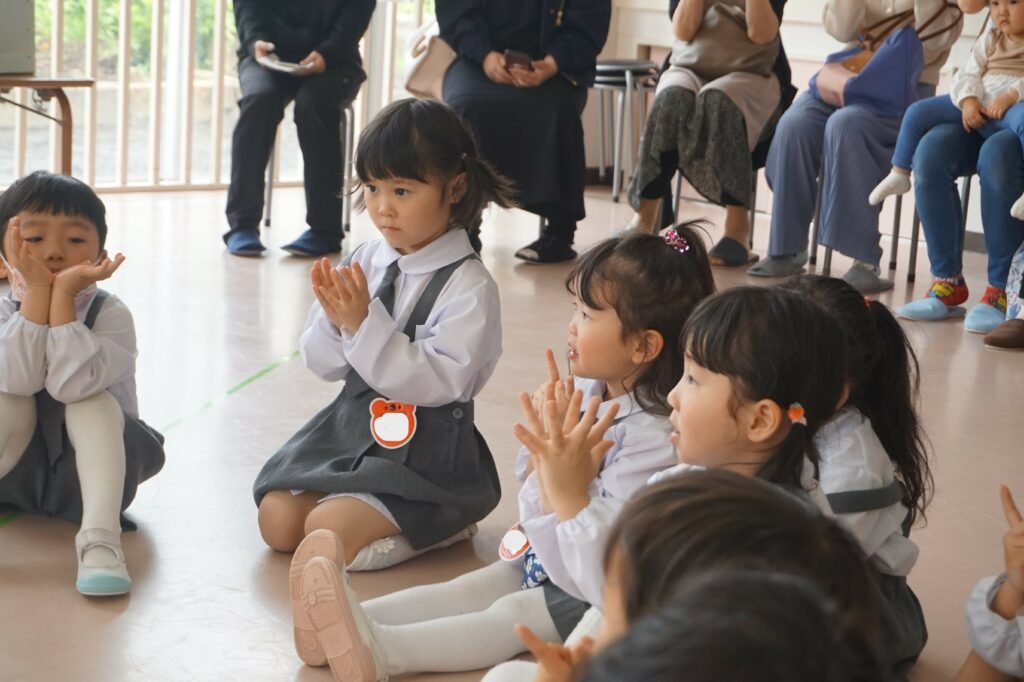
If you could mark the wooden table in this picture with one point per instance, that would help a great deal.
(45, 89)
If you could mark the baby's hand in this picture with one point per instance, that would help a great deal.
(1000, 104)
(343, 294)
(72, 280)
(556, 662)
(973, 117)
(1013, 542)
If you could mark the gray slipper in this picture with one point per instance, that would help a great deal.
(779, 266)
(730, 254)
(866, 279)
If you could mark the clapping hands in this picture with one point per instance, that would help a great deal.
(343, 293)
(556, 662)
(1013, 541)
(566, 448)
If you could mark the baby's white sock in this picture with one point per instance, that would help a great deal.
(892, 184)
(393, 550)
(1017, 210)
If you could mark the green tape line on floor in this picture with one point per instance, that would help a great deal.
(7, 518)
(231, 391)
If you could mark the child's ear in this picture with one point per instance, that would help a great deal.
(764, 421)
(103, 254)
(648, 346)
(3, 270)
(457, 188)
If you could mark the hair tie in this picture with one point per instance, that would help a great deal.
(677, 241)
(796, 414)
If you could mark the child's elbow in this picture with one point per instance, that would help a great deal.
(762, 36)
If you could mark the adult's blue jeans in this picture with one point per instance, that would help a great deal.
(948, 152)
(925, 114)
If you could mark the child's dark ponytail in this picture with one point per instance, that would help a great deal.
(777, 345)
(883, 377)
(426, 141)
(484, 185)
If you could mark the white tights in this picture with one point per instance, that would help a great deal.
(463, 624)
(96, 430)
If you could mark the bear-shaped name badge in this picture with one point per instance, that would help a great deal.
(392, 424)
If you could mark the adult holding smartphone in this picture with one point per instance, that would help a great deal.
(322, 37)
(528, 121)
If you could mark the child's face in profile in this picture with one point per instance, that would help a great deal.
(410, 214)
(58, 241)
(706, 429)
(596, 347)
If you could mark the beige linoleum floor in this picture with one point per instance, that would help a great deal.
(210, 600)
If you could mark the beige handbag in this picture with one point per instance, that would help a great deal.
(722, 46)
(428, 60)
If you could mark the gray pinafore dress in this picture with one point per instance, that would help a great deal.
(45, 480)
(904, 632)
(437, 484)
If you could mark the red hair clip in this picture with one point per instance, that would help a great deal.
(796, 414)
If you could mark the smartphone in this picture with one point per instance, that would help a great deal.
(517, 59)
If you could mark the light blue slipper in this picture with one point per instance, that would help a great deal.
(929, 309)
(983, 318)
(101, 581)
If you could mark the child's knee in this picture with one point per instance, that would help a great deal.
(281, 520)
(101, 408)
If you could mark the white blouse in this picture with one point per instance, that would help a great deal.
(70, 361)
(852, 458)
(844, 19)
(973, 81)
(454, 352)
(996, 639)
(572, 551)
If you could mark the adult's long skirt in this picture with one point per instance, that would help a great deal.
(534, 136)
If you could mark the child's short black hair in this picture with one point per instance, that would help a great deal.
(424, 140)
(743, 624)
(778, 345)
(651, 282)
(52, 194)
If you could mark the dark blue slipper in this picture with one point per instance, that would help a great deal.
(244, 243)
(310, 245)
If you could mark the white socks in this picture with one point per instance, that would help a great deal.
(391, 551)
(892, 184)
(17, 426)
(1017, 210)
(96, 430)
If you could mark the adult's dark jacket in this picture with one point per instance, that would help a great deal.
(571, 31)
(297, 27)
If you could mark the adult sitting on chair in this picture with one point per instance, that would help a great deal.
(854, 144)
(727, 85)
(526, 112)
(323, 38)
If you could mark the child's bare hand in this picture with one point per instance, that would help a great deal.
(557, 663)
(555, 388)
(344, 294)
(33, 270)
(72, 280)
(973, 116)
(1013, 541)
(568, 451)
(1000, 105)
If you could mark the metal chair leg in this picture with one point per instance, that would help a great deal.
(915, 233)
(601, 166)
(896, 232)
(679, 195)
(630, 92)
(826, 268)
(816, 224)
(346, 172)
(965, 200)
(753, 210)
(617, 151)
(270, 189)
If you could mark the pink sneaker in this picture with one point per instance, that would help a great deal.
(319, 543)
